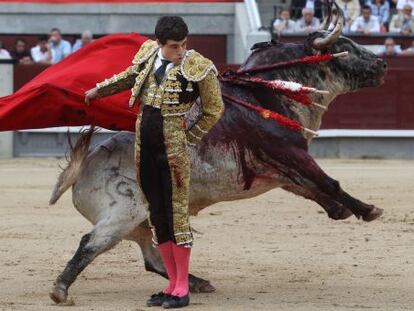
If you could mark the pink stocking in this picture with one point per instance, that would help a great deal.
(182, 260)
(167, 256)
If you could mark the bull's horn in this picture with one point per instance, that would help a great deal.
(321, 43)
(340, 54)
(327, 19)
(325, 24)
(319, 106)
(313, 133)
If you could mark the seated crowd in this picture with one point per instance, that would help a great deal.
(361, 16)
(50, 49)
(373, 16)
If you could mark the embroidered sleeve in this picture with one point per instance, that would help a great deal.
(212, 108)
(119, 82)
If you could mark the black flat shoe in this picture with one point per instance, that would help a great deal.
(174, 302)
(157, 299)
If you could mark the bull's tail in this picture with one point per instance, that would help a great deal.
(75, 164)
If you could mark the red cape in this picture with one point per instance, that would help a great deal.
(56, 96)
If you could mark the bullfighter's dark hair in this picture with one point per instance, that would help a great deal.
(170, 28)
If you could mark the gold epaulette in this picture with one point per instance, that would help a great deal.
(195, 67)
(148, 48)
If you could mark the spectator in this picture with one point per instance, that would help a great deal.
(389, 48)
(21, 53)
(393, 4)
(298, 5)
(42, 53)
(380, 9)
(366, 23)
(308, 23)
(284, 24)
(4, 54)
(85, 39)
(351, 10)
(403, 22)
(402, 3)
(410, 50)
(61, 48)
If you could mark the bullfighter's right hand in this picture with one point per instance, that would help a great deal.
(91, 94)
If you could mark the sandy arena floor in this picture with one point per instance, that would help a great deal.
(273, 252)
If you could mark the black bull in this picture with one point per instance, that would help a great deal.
(257, 146)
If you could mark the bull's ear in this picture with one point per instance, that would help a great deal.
(310, 39)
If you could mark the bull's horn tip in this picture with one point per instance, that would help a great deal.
(310, 131)
(319, 106)
(322, 92)
(345, 53)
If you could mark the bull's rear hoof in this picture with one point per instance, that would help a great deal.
(58, 295)
(340, 214)
(202, 286)
(373, 214)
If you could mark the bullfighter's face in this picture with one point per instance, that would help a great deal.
(174, 50)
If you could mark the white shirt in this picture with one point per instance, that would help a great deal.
(402, 3)
(372, 25)
(60, 50)
(284, 27)
(158, 62)
(4, 54)
(39, 56)
(310, 4)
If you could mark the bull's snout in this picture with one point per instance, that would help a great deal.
(381, 63)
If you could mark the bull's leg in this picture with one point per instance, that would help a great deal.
(153, 262)
(101, 239)
(334, 209)
(303, 172)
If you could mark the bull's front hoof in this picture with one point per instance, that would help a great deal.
(340, 214)
(59, 294)
(373, 214)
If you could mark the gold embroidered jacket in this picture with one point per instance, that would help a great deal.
(195, 77)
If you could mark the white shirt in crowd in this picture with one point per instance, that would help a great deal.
(372, 25)
(39, 56)
(402, 3)
(4, 54)
(301, 25)
(310, 4)
(284, 26)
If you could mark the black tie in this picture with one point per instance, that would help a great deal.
(160, 72)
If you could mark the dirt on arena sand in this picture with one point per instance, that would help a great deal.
(273, 252)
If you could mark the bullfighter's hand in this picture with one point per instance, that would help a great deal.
(91, 94)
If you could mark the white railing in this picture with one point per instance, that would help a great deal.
(253, 14)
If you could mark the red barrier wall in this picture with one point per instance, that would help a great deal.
(389, 106)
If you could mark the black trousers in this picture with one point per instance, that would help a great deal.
(155, 174)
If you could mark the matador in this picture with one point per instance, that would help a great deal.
(168, 79)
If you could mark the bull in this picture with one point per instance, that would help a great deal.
(243, 156)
